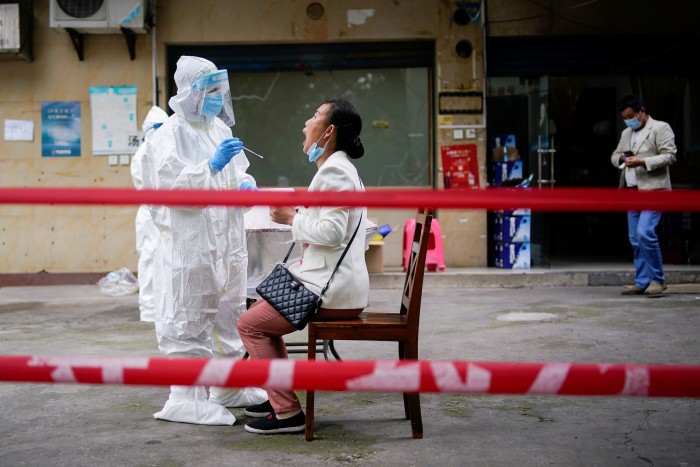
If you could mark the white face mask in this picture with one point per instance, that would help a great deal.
(314, 152)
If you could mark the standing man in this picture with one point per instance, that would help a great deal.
(644, 153)
(201, 258)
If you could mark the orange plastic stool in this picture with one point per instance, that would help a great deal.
(435, 258)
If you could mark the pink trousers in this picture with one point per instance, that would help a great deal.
(261, 328)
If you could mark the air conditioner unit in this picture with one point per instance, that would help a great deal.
(16, 30)
(100, 16)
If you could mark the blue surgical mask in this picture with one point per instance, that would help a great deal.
(633, 123)
(314, 152)
(213, 103)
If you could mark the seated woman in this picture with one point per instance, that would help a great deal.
(323, 233)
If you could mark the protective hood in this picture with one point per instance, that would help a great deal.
(155, 115)
(201, 88)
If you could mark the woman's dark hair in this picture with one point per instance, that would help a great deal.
(348, 124)
(633, 101)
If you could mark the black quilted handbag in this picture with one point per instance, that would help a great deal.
(289, 297)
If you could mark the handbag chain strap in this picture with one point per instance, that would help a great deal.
(340, 260)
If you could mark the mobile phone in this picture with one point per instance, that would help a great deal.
(624, 157)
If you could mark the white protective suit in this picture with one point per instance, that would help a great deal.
(146, 232)
(200, 269)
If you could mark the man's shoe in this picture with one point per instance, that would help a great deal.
(632, 290)
(270, 425)
(259, 410)
(655, 288)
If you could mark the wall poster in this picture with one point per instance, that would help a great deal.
(60, 129)
(460, 168)
(113, 110)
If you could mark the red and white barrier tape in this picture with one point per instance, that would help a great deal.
(595, 379)
(566, 379)
(557, 199)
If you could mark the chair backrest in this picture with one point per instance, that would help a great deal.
(413, 286)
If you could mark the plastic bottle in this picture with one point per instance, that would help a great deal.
(526, 183)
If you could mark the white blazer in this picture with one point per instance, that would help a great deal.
(323, 233)
(657, 146)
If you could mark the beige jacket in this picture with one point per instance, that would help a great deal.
(323, 233)
(656, 145)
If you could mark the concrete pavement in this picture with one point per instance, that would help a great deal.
(82, 425)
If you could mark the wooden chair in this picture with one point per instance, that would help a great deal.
(401, 327)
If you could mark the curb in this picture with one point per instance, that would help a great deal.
(531, 278)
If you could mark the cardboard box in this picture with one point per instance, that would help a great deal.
(374, 257)
(506, 171)
(512, 255)
(513, 212)
(512, 229)
(510, 152)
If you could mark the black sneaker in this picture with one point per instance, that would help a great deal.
(259, 410)
(270, 425)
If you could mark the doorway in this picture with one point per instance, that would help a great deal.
(578, 123)
(585, 134)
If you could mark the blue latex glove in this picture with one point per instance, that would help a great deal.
(225, 152)
(246, 185)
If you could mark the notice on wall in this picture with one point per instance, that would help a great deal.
(113, 110)
(60, 129)
(19, 130)
(460, 168)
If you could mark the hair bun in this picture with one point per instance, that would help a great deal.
(357, 149)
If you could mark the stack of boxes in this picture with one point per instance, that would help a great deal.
(512, 239)
(511, 229)
(507, 164)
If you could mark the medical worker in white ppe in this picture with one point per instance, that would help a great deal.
(146, 232)
(200, 268)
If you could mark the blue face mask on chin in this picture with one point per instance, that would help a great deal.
(633, 123)
(212, 105)
(314, 152)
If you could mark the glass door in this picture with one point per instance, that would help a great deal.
(519, 125)
(542, 159)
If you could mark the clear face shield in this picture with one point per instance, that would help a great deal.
(213, 96)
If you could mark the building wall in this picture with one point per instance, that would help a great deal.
(95, 239)
(628, 18)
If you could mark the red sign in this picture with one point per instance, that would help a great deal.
(460, 168)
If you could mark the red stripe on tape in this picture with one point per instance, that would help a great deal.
(556, 199)
(570, 379)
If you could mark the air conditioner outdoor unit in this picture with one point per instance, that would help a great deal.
(16, 30)
(100, 16)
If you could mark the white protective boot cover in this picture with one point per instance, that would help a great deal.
(189, 404)
(242, 397)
